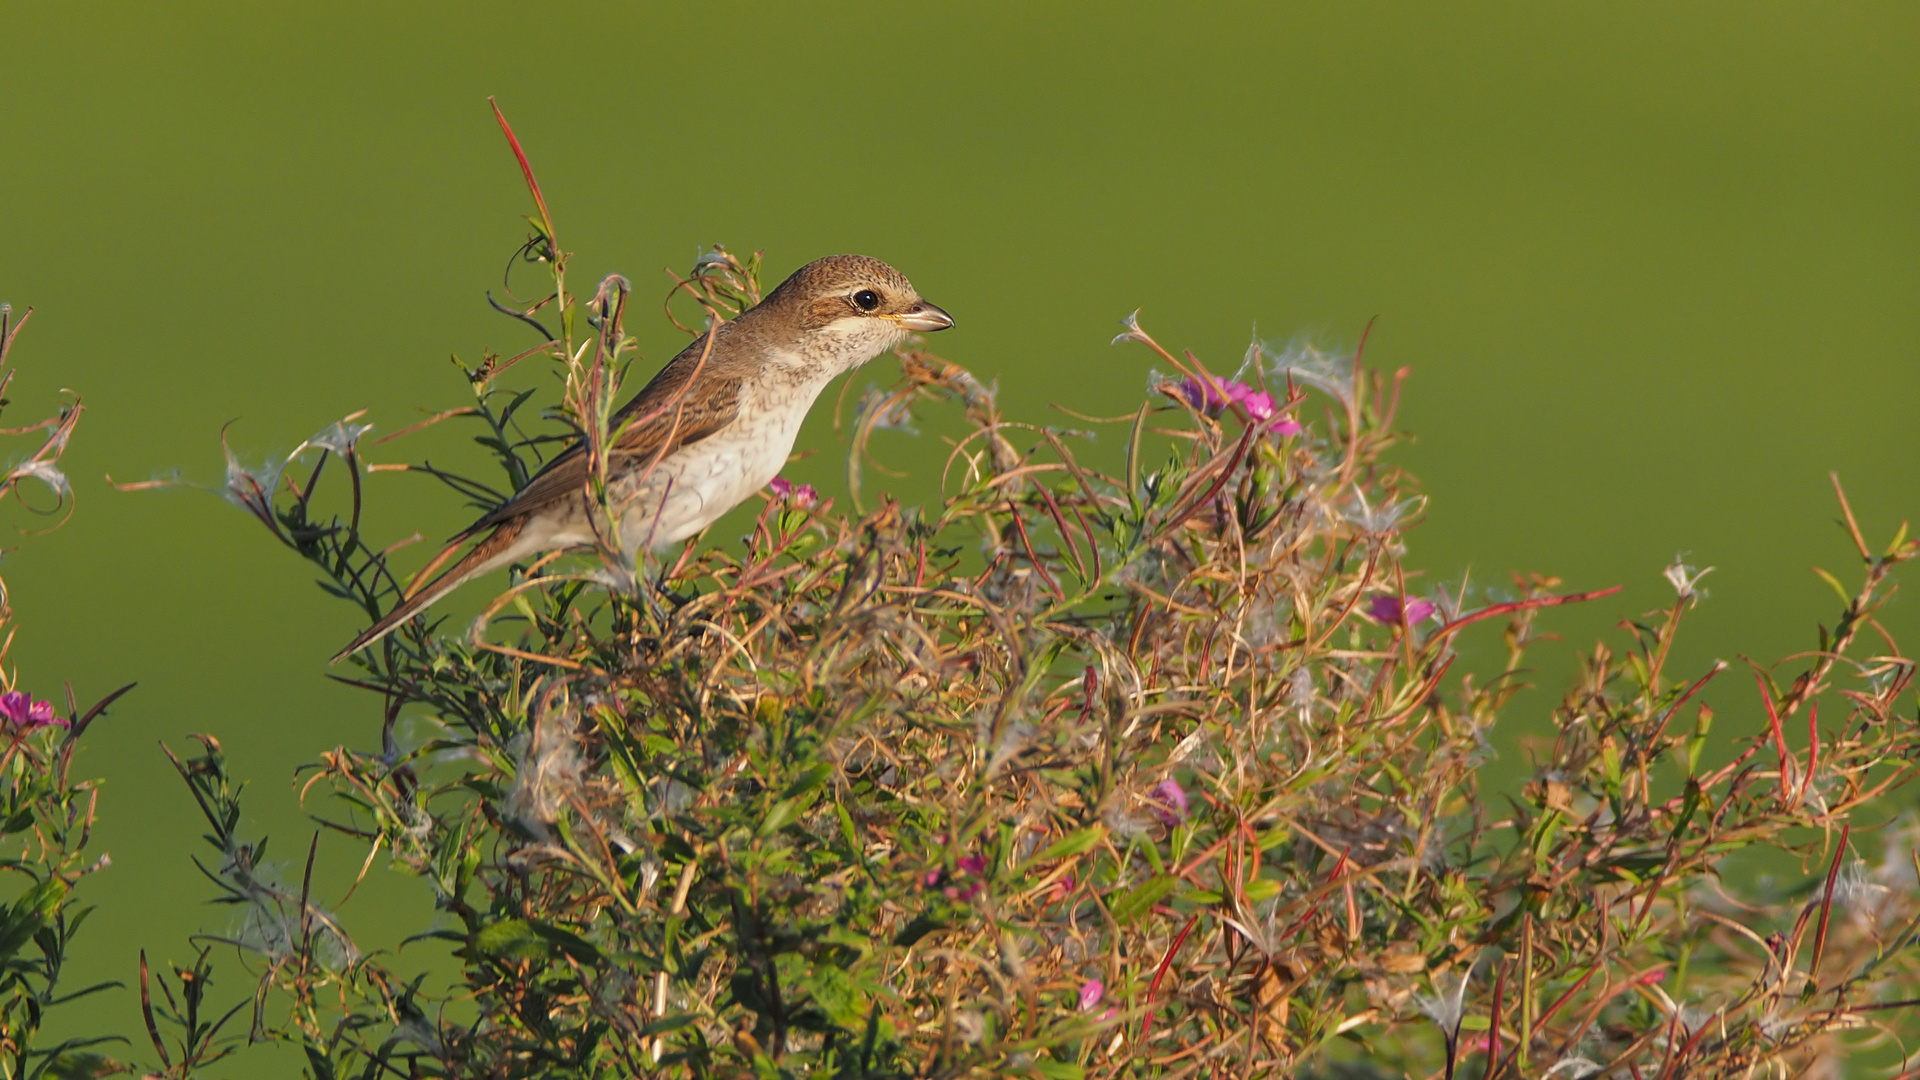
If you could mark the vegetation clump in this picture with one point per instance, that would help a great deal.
(1154, 767)
(1164, 770)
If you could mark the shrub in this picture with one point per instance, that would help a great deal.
(46, 816)
(1164, 770)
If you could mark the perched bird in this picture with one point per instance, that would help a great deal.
(714, 426)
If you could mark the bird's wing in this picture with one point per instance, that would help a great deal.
(671, 413)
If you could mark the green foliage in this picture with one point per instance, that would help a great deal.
(46, 816)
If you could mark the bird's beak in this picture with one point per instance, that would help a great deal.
(925, 318)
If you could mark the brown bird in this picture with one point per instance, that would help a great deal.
(710, 433)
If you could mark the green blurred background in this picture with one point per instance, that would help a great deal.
(1653, 266)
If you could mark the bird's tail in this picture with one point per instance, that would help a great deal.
(497, 549)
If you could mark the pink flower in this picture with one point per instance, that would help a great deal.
(1260, 409)
(800, 495)
(1091, 992)
(1212, 396)
(970, 866)
(1172, 800)
(1388, 609)
(19, 709)
(1062, 889)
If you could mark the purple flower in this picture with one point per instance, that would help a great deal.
(800, 495)
(974, 864)
(1172, 800)
(1212, 396)
(19, 709)
(1091, 992)
(1388, 609)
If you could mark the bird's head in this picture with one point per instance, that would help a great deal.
(855, 306)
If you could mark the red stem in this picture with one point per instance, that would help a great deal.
(1813, 751)
(1522, 605)
(526, 169)
(1779, 736)
(1826, 905)
(1493, 1027)
(1153, 988)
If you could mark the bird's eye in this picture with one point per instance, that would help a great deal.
(866, 299)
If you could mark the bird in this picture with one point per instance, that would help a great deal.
(715, 425)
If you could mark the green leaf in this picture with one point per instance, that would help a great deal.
(317, 1061)
(77, 1066)
(1071, 844)
(669, 1023)
(511, 939)
(1139, 900)
(782, 814)
(575, 946)
(922, 925)
(620, 753)
(809, 780)
(1059, 1070)
(28, 914)
(1261, 889)
(518, 939)
(834, 992)
(1687, 808)
(1834, 582)
(849, 833)
(676, 849)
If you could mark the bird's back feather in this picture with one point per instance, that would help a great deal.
(687, 401)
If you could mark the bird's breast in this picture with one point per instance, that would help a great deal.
(695, 485)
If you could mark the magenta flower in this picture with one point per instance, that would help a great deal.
(1212, 396)
(1091, 992)
(970, 866)
(19, 709)
(1261, 410)
(1062, 889)
(1388, 609)
(800, 495)
(1172, 801)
